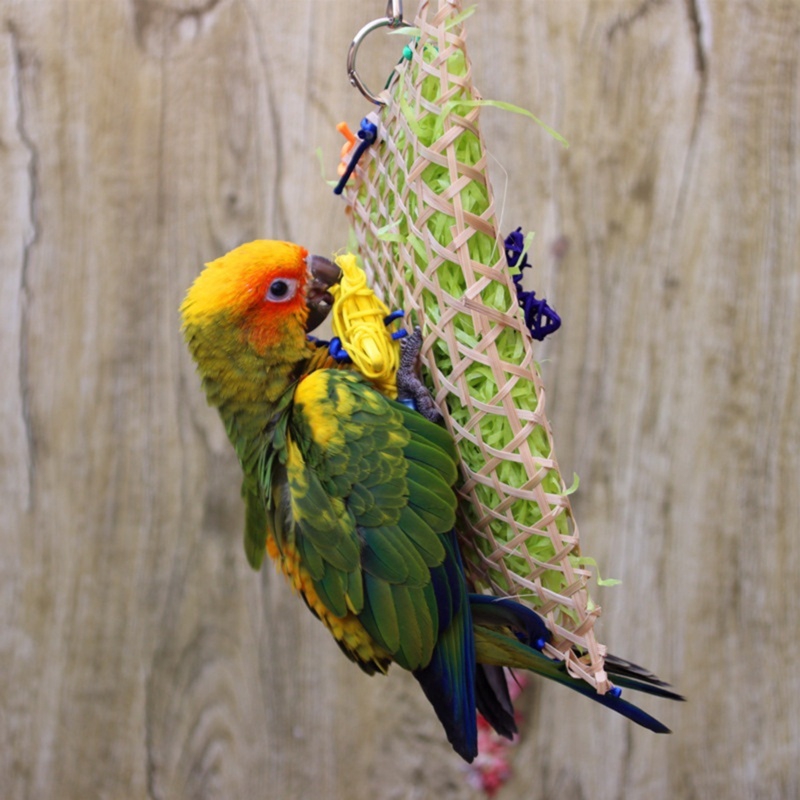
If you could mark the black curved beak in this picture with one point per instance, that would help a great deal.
(323, 275)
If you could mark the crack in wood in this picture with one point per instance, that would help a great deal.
(625, 21)
(701, 66)
(696, 23)
(31, 238)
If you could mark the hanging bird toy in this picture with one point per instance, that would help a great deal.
(352, 483)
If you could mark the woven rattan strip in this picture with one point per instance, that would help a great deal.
(422, 209)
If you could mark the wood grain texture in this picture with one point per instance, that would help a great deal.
(139, 655)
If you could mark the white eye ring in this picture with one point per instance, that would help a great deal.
(281, 290)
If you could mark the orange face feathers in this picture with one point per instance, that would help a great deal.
(259, 287)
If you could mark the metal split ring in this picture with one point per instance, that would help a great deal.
(393, 19)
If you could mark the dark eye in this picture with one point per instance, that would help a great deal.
(281, 290)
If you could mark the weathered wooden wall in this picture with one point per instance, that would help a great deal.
(139, 656)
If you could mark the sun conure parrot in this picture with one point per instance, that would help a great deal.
(350, 493)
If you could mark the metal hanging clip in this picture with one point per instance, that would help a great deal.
(393, 19)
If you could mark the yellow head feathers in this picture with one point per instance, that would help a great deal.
(239, 282)
(259, 288)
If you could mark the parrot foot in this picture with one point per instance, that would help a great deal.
(409, 384)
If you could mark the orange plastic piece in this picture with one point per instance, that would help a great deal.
(344, 129)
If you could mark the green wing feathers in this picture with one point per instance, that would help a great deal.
(369, 495)
(255, 523)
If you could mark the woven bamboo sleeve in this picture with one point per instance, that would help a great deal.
(423, 213)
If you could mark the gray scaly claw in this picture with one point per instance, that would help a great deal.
(409, 383)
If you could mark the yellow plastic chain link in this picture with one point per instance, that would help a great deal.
(358, 321)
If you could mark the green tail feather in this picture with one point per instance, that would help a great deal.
(501, 649)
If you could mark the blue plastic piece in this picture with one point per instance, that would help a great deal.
(338, 353)
(368, 133)
(540, 319)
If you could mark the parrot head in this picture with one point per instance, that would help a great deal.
(246, 317)
(268, 293)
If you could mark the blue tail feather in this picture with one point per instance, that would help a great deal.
(448, 681)
(513, 634)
